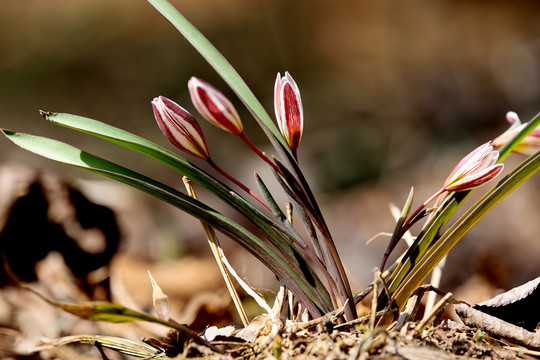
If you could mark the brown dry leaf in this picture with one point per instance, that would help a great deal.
(513, 315)
(498, 327)
(518, 306)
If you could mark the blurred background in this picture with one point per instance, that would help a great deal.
(394, 94)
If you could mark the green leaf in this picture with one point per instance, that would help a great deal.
(292, 270)
(280, 236)
(424, 240)
(331, 258)
(237, 84)
(223, 68)
(422, 265)
(109, 312)
(170, 159)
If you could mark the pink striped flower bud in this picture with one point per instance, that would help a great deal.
(214, 106)
(475, 169)
(528, 146)
(180, 127)
(289, 111)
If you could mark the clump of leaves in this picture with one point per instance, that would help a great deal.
(309, 267)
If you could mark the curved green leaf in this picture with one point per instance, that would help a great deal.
(308, 288)
(168, 158)
(115, 313)
(442, 246)
(222, 67)
(278, 235)
(237, 84)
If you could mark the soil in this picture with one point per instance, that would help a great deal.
(447, 340)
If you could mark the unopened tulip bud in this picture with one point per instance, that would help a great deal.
(474, 169)
(528, 146)
(288, 109)
(180, 127)
(214, 106)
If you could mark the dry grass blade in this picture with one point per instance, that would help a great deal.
(162, 305)
(121, 345)
(437, 309)
(110, 312)
(413, 304)
(216, 251)
(258, 299)
(436, 276)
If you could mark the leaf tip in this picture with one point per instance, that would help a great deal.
(46, 114)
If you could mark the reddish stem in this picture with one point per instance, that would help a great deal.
(238, 183)
(406, 226)
(258, 152)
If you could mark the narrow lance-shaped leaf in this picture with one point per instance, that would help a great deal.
(331, 258)
(229, 74)
(298, 241)
(421, 244)
(463, 225)
(398, 229)
(119, 344)
(222, 67)
(278, 235)
(415, 253)
(311, 295)
(170, 159)
(110, 312)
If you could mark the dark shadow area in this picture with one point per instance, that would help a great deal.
(29, 236)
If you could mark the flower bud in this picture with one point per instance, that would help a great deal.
(180, 127)
(528, 146)
(289, 111)
(474, 169)
(214, 106)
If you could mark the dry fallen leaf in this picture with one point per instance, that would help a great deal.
(513, 315)
(519, 306)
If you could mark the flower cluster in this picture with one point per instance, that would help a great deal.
(182, 130)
